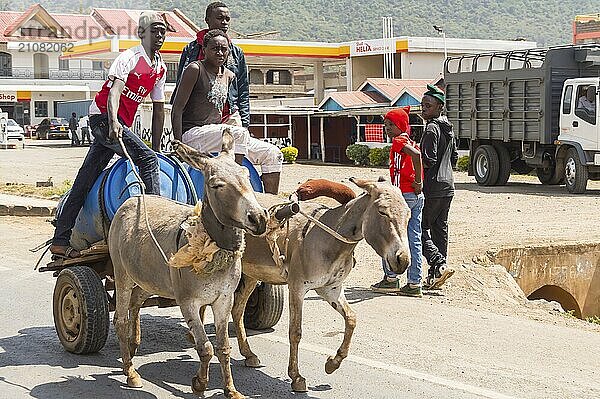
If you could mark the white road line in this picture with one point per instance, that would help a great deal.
(4, 269)
(398, 370)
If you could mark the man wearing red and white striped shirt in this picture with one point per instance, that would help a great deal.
(406, 172)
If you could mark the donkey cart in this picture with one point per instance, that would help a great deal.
(84, 293)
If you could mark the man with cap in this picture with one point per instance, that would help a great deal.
(237, 109)
(406, 173)
(135, 73)
(439, 155)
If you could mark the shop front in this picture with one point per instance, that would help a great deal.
(17, 105)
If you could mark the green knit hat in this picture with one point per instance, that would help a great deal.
(436, 93)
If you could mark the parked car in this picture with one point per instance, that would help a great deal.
(53, 128)
(14, 131)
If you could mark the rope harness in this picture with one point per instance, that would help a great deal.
(274, 227)
(143, 191)
(201, 252)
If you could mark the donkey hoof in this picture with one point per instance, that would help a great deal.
(234, 395)
(331, 365)
(299, 385)
(252, 361)
(198, 385)
(134, 381)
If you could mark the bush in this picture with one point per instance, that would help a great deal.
(379, 156)
(463, 164)
(358, 153)
(290, 154)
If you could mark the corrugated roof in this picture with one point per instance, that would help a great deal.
(393, 88)
(21, 18)
(351, 99)
(81, 27)
(116, 22)
(124, 22)
(6, 19)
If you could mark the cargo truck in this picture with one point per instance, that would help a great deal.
(527, 110)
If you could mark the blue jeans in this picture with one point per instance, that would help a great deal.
(415, 203)
(99, 155)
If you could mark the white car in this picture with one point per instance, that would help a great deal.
(14, 131)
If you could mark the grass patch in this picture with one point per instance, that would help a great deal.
(593, 319)
(463, 164)
(29, 190)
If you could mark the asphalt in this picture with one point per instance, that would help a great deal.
(16, 205)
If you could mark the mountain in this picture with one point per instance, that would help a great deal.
(548, 22)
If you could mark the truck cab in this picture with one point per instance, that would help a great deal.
(579, 138)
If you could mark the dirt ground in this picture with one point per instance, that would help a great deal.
(482, 218)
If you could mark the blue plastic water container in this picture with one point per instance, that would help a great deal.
(198, 178)
(115, 185)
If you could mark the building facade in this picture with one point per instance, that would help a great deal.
(37, 67)
(586, 29)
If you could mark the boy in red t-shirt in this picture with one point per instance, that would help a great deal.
(406, 172)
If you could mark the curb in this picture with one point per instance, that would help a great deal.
(23, 210)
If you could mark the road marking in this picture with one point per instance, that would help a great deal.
(399, 370)
(4, 269)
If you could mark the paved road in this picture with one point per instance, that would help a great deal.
(403, 348)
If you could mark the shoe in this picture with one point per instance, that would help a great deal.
(428, 287)
(386, 286)
(438, 276)
(410, 290)
(63, 252)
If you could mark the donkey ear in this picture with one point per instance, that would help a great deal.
(189, 155)
(367, 185)
(227, 146)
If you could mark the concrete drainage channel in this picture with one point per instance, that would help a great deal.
(568, 274)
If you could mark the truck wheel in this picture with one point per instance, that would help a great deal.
(505, 166)
(264, 306)
(486, 165)
(576, 174)
(521, 167)
(80, 308)
(548, 176)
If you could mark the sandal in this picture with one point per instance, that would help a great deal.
(69, 252)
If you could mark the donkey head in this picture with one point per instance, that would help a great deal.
(227, 186)
(385, 222)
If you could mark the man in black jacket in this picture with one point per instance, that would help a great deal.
(268, 156)
(439, 155)
(73, 129)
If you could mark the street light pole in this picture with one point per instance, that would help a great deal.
(440, 30)
(389, 45)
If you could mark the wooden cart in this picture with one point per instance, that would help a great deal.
(84, 296)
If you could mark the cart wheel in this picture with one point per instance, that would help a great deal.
(80, 307)
(264, 307)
